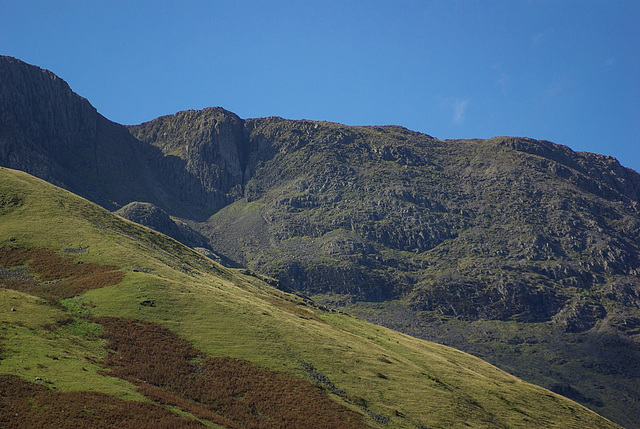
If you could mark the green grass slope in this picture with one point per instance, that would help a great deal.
(214, 323)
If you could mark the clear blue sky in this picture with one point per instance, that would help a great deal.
(564, 70)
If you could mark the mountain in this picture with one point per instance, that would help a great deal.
(53, 133)
(100, 313)
(520, 251)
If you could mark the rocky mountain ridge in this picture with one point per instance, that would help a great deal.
(528, 245)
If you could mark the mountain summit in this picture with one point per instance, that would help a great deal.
(520, 251)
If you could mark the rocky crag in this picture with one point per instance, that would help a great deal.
(523, 252)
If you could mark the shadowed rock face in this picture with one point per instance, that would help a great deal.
(39, 110)
(155, 218)
(202, 155)
(50, 132)
(461, 235)
(149, 215)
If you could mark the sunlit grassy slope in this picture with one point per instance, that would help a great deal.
(392, 379)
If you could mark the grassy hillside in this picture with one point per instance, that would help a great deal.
(519, 251)
(172, 323)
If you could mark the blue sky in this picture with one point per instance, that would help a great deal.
(565, 70)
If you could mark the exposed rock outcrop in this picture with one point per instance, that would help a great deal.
(203, 155)
(155, 218)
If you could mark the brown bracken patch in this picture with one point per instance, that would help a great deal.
(24, 404)
(231, 392)
(54, 276)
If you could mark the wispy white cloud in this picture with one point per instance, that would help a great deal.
(459, 110)
(502, 83)
(454, 106)
(539, 37)
(502, 80)
(553, 89)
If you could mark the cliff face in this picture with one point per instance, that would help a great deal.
(41, 116)
(50, 132)
(203, 155)
(508, 248)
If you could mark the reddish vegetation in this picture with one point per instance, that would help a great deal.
(55, 276)
(231, 392)
(165, 397)
(167, 369)
(29, 405)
